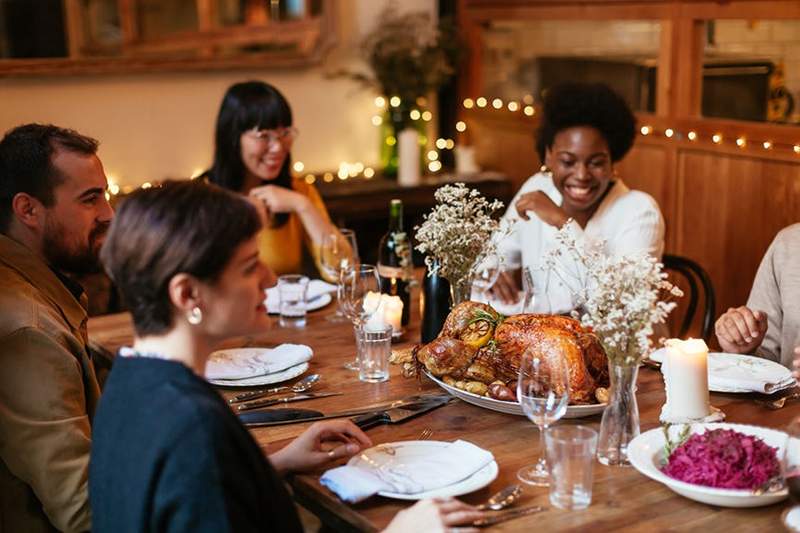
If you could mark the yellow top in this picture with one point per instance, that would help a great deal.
(282, 248)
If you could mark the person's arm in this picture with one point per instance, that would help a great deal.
(765, 296)
(46, 434)
(317, 224)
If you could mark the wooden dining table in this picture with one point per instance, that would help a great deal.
(622, 500)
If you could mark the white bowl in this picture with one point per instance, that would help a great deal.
(646, 451)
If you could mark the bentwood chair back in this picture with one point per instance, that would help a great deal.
(697, 280)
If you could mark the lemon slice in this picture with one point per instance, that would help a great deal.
(477, 333)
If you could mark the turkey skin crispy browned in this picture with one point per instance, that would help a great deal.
(479, 346)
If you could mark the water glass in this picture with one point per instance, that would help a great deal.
(292, 289)
(375, 345)
(570, 454)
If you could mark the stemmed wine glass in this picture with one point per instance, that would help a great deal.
(354, 285)
(339, 251)
(543, 392)
(484, 274)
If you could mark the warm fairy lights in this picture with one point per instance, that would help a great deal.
(468, 103)
(369, 172)
(327, 177)
(427, 116)
(415, 114)
(716, 138)
(394, 101)
(513, 106)
(529, 110)
(497, 103)
(435, 166)
(668, 133)
(646, 130)
(481, 102)
(461, 126)
(767, 145)
(310, 178)
(741, 142)
(797, 149)
(298, 166)
(441, 143)
(433, 155)
(377, 120)
(380, 101)
(692, 136)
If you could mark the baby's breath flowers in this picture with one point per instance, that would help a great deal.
(457, 231)
(617, 296)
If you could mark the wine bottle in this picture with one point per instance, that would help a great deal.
(394, 260)
(435, 304)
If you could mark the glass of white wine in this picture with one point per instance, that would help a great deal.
(543, 393)
(339, 251)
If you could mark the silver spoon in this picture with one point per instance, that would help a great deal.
(303, 385)
(502, 499)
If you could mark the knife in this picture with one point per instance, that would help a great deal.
(275, 417)
(286, 399)
(508, 515)
(396, 415)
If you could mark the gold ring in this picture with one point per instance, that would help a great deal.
(331, 453)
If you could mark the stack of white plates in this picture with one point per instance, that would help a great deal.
(247, 367)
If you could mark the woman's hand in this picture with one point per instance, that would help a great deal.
(506, 288)
(741, 330)
(543, 207)
(321, 443)
(438, 515)
(280, 199)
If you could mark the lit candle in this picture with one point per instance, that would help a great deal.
(686, 376)
(392, 311)
(373, 302)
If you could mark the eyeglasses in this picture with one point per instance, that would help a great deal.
(282, 135)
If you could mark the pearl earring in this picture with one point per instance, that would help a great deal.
(544, 169)
(195, 316)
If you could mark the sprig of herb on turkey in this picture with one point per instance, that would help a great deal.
(478, 315)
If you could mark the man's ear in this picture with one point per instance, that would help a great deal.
(29, 211)
(184, 291)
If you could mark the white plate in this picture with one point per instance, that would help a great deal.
(267, 379)
(514, 408)
(409, 450)
(646, 452)
(731, 372)
(312, 305)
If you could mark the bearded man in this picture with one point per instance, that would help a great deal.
(53, 218)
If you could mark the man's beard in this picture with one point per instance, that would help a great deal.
(66, 255)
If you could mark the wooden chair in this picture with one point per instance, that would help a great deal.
(692, 272)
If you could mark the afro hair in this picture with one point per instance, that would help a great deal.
(572, 104)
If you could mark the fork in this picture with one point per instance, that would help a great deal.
(426, 434)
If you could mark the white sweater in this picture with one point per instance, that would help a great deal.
(629, 222)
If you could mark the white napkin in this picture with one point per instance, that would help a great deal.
(244, 363)
(444, 466)
(316, 288)
(729, 372)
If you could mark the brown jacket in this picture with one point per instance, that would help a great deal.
(48, 393)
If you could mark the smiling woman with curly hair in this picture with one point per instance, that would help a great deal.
(586, 129)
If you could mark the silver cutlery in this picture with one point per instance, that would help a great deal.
(508, 515)
(303, 385)
(502, 499)
(388, 449)
(255, 404)
(780, 402)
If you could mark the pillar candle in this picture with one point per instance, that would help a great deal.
(392, 311)
(686, 372)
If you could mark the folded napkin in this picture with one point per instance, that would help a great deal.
(728, 372)
(316, 288)
(409, 475)
(242, 363)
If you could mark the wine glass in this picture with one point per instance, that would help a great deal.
(339, 251)
(543, 392)
(354, 285)
(484, 274)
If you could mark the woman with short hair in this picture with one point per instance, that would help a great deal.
(168, 454)
(586, 129)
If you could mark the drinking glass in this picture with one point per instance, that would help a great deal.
(570, 453)
(484, 274)
(527, 290)
(375, 344)
(354, 285)
(292, 289)
(543, 393)
(339, 251)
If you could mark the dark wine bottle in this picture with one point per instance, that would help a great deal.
(435, 304)
(394, 260)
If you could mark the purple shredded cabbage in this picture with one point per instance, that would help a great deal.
(723, 459)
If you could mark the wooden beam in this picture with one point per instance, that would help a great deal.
(73, 23)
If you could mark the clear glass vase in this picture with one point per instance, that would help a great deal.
(620, 424)
(460, 291)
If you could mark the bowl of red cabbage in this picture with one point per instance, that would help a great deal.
(729, 465)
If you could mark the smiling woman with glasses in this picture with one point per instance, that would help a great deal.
(252, 156)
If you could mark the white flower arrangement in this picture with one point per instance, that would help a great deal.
(617, 296)
(457, 231)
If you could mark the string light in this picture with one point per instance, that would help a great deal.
(528, 99)
(441, 143)
(468, 103)
(529, 110)
(377, 120)
(450, 144)
(427, 116)
(327, 177)
(497, 103)
(380, 101)
(390, 140)
(668, 133)
(113, 188)
(481, 102)
(716, 138)
(741, 142)
(691, 135)
(433, 155)
(298, 166)
(797, 148)
(394, 101)
(767, 145)
(311, 178)
(435, 166)
(359, 167)
(368, 172)
(146, 185)
(513, 106)
(461, 126)
(646, 130)
(415, 114)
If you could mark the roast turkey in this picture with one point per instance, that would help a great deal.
(479, 350)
